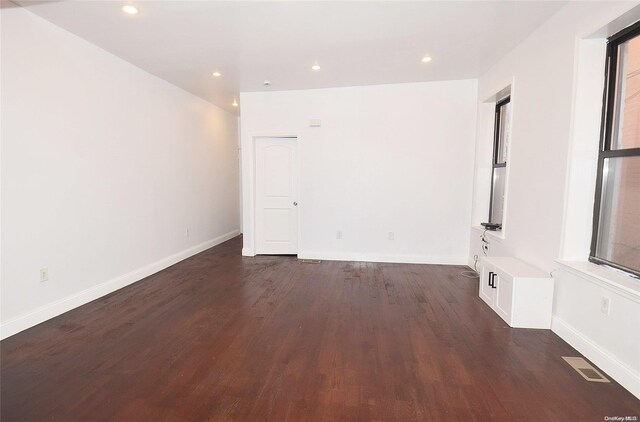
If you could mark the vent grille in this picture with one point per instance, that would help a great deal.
(585, 369)
(310, 261)
(591, 374)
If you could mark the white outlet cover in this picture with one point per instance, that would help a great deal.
(605, 305)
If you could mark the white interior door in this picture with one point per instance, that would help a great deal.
(276, 196)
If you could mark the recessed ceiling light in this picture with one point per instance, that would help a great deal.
(129, 10)
(217, 74)
(426, 59)
(315, 67)
(235, 103)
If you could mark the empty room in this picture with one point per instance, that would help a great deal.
(319, 210)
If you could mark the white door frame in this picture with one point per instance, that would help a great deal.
(254, 193)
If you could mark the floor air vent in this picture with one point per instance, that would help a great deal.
(585, 369)
(310, 261)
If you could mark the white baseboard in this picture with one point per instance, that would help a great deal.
(248, 252)
(50, 310)
(619, 371)
(399, 259)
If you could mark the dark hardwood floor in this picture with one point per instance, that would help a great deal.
(222, 337)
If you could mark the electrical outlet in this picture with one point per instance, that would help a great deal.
(186, 232)
(44, 274)
(339, 234)
(392, 235)
(604, 305)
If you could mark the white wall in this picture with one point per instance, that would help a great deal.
(389, 158)
(104, 167)
(555, 76)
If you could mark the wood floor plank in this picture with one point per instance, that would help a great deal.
(221, 337)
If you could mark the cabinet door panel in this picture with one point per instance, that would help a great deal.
(504, 296)
(485, 289)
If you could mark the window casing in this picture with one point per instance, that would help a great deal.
(616, 219)
(501, 135)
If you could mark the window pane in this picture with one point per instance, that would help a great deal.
(503, 132)
(626, 124)
(619, 227)
(497, 195)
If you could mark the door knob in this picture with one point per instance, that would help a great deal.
(295, 204)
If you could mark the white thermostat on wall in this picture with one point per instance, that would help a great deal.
(315, 123)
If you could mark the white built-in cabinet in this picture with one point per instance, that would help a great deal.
(521, 294)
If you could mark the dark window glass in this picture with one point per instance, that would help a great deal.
(501, 135)
(619, 228)
(616, 222)
(626, 122)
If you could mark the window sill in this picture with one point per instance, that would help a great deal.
(611, 279)
(498, 234)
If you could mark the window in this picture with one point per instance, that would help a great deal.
(616, 220)
(501, 135)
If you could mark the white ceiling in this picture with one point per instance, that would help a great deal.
(355, 43)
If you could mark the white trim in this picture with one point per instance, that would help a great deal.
(618, 370)
(248, 252)
(369, 257)
(50, 310)
(612, 280)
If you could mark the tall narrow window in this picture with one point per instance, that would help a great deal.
(616, 222)
(502, 131)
